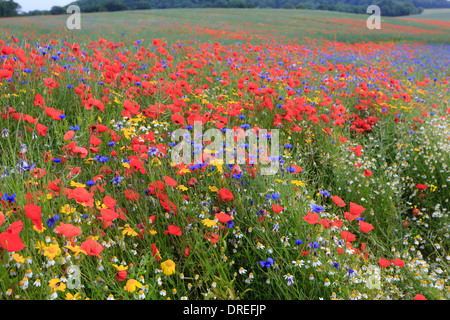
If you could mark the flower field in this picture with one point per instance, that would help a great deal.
(92, 205)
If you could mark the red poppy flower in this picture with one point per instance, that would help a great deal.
(91, 247)
(337, 223)
(367, 173)
(311, 218)
(132, 195)
(41, 129)
(356, 209)
(419, 297)
(170, 182)
(223, 217)
(225, 195)
(213, 237)
(95, 141)
(81, 195)
(109, 215)
(276, 208)
(69, 135)
(348, 236)
(109, 202)
(365, 226)
(349, 216)
(178, 119)
(121, 275)
(34, 213)
(384, 263)
(399, 262)
(68, 230)
(155, 251)
(421, 186)
(326, 223)
(339, 202)
(10, 240)
(174, 230)
(356, 150)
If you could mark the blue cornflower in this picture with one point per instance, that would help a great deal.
(317, 208)
(298, 242)
(11, 198)
(266, 264)
(314, 245)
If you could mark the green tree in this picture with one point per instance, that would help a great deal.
(55, 10)
(9, 8)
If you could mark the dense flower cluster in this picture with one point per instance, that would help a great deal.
(358, 209)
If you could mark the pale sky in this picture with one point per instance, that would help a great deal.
(29, 5)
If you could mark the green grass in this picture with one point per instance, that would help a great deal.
(433, 14)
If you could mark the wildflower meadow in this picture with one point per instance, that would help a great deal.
(134, 156)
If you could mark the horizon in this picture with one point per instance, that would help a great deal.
(31, 5)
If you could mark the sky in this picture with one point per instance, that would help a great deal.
(29, 5)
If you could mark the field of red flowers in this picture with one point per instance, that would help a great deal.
(93, 206)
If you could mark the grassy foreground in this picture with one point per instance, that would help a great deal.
(358, 208)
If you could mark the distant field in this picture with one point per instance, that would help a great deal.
(230, 25)
(433, 14)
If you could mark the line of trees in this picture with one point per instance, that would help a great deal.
(9, 8)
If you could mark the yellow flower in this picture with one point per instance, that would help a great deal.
(298, 183)
(67, 209)
(213, 189)
(69, 296)
(168, 267)
(120, 267)
(132, 285)
(52, 251)
(18, 258)
(100, 205)
(76, 184)
(40, 245)
(37, 230)
(129, 231)
(75, 249)
(182, 188)
(208, 222)
(57, 285)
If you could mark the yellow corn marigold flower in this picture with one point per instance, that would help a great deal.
(52, 251)
(69, 296)
(18, 258)
(132, 285)
(57, 285)
(168, 267)
(208, 222)
(120, 267)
